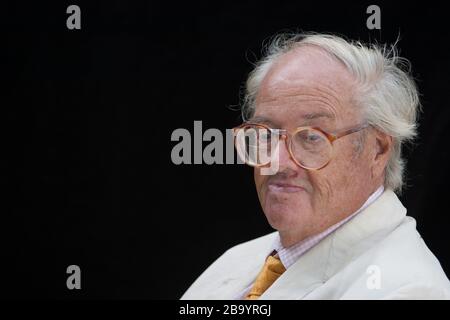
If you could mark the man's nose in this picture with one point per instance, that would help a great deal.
(284, 157)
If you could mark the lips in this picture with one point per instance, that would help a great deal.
(284, 188)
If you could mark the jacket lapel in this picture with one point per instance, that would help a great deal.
(240, 272)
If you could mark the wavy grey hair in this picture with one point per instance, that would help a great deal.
(386, 90)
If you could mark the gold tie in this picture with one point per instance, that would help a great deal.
(272, 269)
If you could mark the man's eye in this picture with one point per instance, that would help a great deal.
(313, 137)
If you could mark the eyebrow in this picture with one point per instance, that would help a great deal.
(315, 115)
(307, 117)
(263, 120)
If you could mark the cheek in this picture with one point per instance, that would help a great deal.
(259, 181)
(322, 182)
(329, 181)
(338, 175)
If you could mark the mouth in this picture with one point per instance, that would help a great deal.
(284, 188)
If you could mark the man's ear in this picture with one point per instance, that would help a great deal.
(383, 150)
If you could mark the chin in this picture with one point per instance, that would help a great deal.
(281, 216)
(283, 211)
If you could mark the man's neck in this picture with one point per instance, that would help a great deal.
(289, 237)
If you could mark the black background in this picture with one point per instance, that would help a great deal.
(87, 116)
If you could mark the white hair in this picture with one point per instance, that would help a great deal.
(385, 90)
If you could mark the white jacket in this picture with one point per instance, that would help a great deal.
(376, 255)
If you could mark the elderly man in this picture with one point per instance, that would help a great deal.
(333, 115)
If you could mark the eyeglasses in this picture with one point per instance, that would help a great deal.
(310, 147)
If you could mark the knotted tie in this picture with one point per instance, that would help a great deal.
(272, 269)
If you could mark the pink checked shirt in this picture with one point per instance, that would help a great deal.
(291, 254)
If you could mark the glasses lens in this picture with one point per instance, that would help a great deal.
(254, 144)
(311, 148)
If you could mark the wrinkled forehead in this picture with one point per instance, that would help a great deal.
(305, 81)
